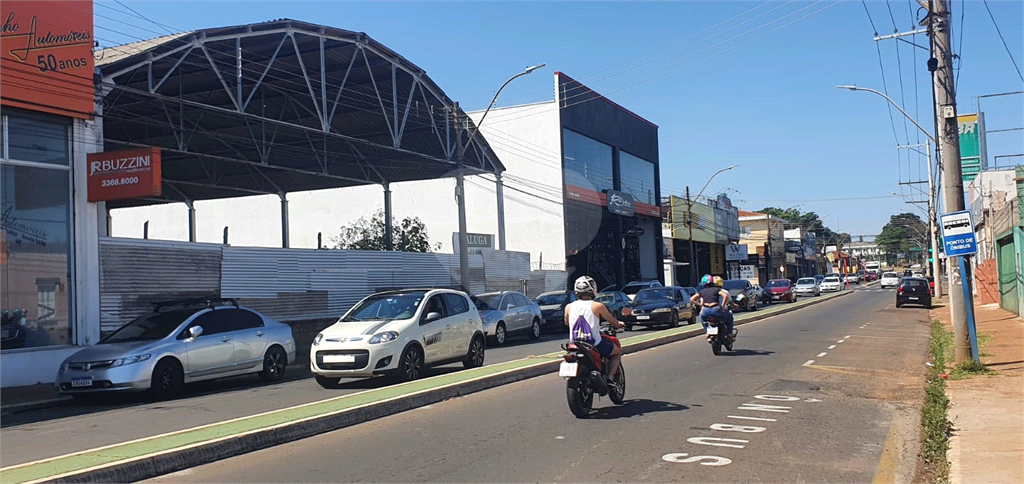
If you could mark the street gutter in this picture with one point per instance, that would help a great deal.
(162, 454)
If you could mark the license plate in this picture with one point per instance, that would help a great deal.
(81, 382)
(339, 358)
(5, 334)
(568, 369)
(775, 297)
(642, 318)
(712, 329)
(912, 298)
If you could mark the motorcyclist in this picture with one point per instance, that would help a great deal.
(583, 317)
(714, 302)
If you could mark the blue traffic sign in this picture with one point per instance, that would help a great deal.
(958, 237)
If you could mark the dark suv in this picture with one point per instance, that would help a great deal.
(914, 290)
(744, 287)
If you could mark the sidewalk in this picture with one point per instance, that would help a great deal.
(987, 411)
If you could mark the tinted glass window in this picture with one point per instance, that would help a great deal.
(914, 283)
(507, 301)
(213, 322)
(736, 284)
(487, 302)
(522, 301)
(239, 319)
(149, 327)
(806, 280)
(637, 177)
(385, 306)
(434, 305)
(655, 294)
(588, 163)
(777, 283)
(456, 303)
(553, 299)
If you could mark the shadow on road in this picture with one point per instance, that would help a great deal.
(635, 408)
(742, 352)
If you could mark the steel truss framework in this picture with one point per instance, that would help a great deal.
(279, 107)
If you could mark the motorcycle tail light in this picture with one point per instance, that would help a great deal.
(569, 357)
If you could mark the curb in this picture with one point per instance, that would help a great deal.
(193, 455)
(29, 406)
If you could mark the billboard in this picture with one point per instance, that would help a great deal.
(46, 56)
(116, 175)
(972, 144)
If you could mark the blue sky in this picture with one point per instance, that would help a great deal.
(748, 83)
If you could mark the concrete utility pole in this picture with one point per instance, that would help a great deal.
(941, 66)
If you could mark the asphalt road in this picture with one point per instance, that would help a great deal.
(841, 377)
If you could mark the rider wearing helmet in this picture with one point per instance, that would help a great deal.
(586, 311)
(714, 301)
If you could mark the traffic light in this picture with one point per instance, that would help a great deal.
(930, 256)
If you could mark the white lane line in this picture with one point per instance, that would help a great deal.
(808, 363)
(840, 341)
(846, 337)
(832, 347)
(822, 354)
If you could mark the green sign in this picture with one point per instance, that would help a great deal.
(970, 145)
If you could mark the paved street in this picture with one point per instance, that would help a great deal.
(841, 378)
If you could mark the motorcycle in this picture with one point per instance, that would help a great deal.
(715, 334)
(583, 370)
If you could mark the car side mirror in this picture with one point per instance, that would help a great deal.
(433, 316)
(195, 331)
(510, 306)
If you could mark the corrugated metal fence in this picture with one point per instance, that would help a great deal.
(286, 284)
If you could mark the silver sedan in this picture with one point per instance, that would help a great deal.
(507, 313)
(163, 350)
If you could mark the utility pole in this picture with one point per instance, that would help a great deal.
(689, 225)
(941, 66)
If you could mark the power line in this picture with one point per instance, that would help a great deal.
(1003, 39)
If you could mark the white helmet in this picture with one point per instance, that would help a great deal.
(585, 284)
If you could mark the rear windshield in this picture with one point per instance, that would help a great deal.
(889, 274)
(735, 284)
(807, 280)
(553, 299)
(914, 283)
(778, 283)
(654, 294)
(831, 279)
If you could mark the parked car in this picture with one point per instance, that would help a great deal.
(166, 348)
(760, 296)
(913, 290)
(831, 283)
(745, 287)
(552, 308)
(13, 329)
(615, 301)
(399, 333)
(781, 290)
(659, 306)
(889, 279)
(508, 313)
(852, 278)
(689, 291)
(636, 286)
(808, 286)
(819, 278)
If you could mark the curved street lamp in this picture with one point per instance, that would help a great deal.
(460, 190)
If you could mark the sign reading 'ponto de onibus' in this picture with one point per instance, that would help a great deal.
(958, 236)
(116, 175)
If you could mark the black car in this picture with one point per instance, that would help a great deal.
(914, 290)
(552, 308)
(615, 301)
(659, 306)
(12, 329)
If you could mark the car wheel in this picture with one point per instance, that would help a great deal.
(168, 379)
(411, 364)
(898, 305)
(535, 329)
(628, 327)
(674, 321)
(274, 364)
(475, 356)
(693, 317)
(328, 382)
(499, 334)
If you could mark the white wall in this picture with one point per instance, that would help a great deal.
(526, 139)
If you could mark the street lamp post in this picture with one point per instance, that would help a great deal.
(460, 188)
(932, 214)
(689, 222)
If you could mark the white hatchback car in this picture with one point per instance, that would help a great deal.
(399, 333)
(889, 279)
(831, 284)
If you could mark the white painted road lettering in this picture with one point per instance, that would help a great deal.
(709, 460)
(738, 428)
(712, 460)
(763, 408)
(753, 418)
(718, 442)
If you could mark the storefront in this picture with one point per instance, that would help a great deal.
(48, 254)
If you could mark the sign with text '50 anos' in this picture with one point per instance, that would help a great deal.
(958, 236)
(116, 175)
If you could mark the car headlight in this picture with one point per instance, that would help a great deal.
(131, 359)
(64, 367)
(662, 310)
(317, 339)
(384, 337)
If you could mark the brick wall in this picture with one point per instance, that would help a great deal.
(986, 278)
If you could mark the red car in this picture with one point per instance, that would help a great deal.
(780, 290)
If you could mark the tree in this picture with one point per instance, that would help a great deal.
(809, 222)
(903, 232)
(367, 233)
